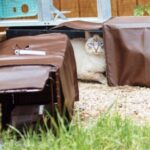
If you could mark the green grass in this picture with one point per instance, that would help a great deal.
(108, 133)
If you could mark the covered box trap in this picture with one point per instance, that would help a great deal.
(128, 50)
(30, 79)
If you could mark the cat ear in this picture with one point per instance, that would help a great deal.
(97, 37)
(87, 35)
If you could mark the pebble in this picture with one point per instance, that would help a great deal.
(129, 101)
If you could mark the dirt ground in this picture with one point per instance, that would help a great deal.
(96, 99)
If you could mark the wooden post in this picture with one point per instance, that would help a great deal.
(2, 36)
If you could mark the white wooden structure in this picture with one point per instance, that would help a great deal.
(48, 15)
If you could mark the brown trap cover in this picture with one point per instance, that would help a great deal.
(127, 45)
(59, 53)
(80, 25)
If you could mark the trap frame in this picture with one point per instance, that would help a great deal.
(47, 14)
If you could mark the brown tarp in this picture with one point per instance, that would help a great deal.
(81, 25)
(59, 53)
(23, 78)
(127, 45)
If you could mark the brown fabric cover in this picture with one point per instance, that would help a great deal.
(24, 77)
(81, 25)
(59, 53)
(127, 48)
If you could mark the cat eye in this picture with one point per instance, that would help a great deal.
(100, 43)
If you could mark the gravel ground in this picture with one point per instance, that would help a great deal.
(96, 99)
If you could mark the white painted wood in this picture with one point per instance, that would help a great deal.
(46, 18)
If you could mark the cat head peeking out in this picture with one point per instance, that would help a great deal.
(95, 45)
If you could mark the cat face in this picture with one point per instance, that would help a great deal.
(95, 45)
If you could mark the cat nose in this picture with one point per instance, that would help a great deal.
(96, 48)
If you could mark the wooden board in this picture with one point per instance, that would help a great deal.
(114, 7)
(143, 1)
(70, 5)
(2, 29)
(2, 36)
(88, 8)
(56, 3)
(126, 7)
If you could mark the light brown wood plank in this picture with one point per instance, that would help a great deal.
(70, 5)
(56, 3)
(2, 29)
(126, 7)
(114, 7)
(88, 8)
(2, 36)
(143, 1)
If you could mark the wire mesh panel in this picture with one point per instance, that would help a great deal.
(18, 8)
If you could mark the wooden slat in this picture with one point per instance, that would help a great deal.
(70, 5)
(143, 1)
(114, 7)
(56, 3)
(126, 7)
(2, 29)
(88, 8)
(2, 36)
